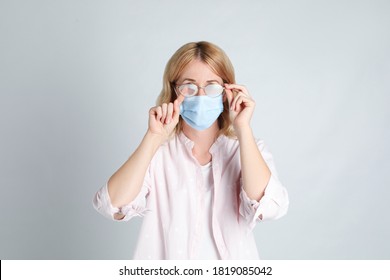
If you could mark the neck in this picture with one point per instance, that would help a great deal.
(203, 139)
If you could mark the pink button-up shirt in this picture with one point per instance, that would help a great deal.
(171, 196)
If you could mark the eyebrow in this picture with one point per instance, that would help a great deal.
(192, 80)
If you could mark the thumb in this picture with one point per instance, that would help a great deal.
(176, 107)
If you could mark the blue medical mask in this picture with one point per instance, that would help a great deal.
(201, 111)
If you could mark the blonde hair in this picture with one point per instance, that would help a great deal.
(219, 63)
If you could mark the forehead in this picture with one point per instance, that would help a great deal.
(199, 71)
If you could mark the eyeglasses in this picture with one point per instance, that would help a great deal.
(212, 90)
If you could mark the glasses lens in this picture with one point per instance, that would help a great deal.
(213, 90)
(188, 89)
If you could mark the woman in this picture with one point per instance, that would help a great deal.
(198, 177)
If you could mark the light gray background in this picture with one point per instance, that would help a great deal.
(78, 78)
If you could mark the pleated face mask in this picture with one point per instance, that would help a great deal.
(200, 112)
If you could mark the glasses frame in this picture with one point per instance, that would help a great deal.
(177, 90)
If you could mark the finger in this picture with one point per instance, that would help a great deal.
(164, 108)
(238, 87)
(244, 101)
(169, 113)
(153, 112)
(239, 102)
(234, 102)
(176, 107)
(176, 110)
(158, 113)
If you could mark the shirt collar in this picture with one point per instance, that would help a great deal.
(190, 144)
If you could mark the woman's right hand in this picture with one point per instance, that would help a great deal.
(126, 183)
(164, 118)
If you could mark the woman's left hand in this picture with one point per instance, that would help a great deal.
(241, 105)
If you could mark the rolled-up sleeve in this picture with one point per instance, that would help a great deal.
(273, 205)
(136, 208)
(103, 205)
